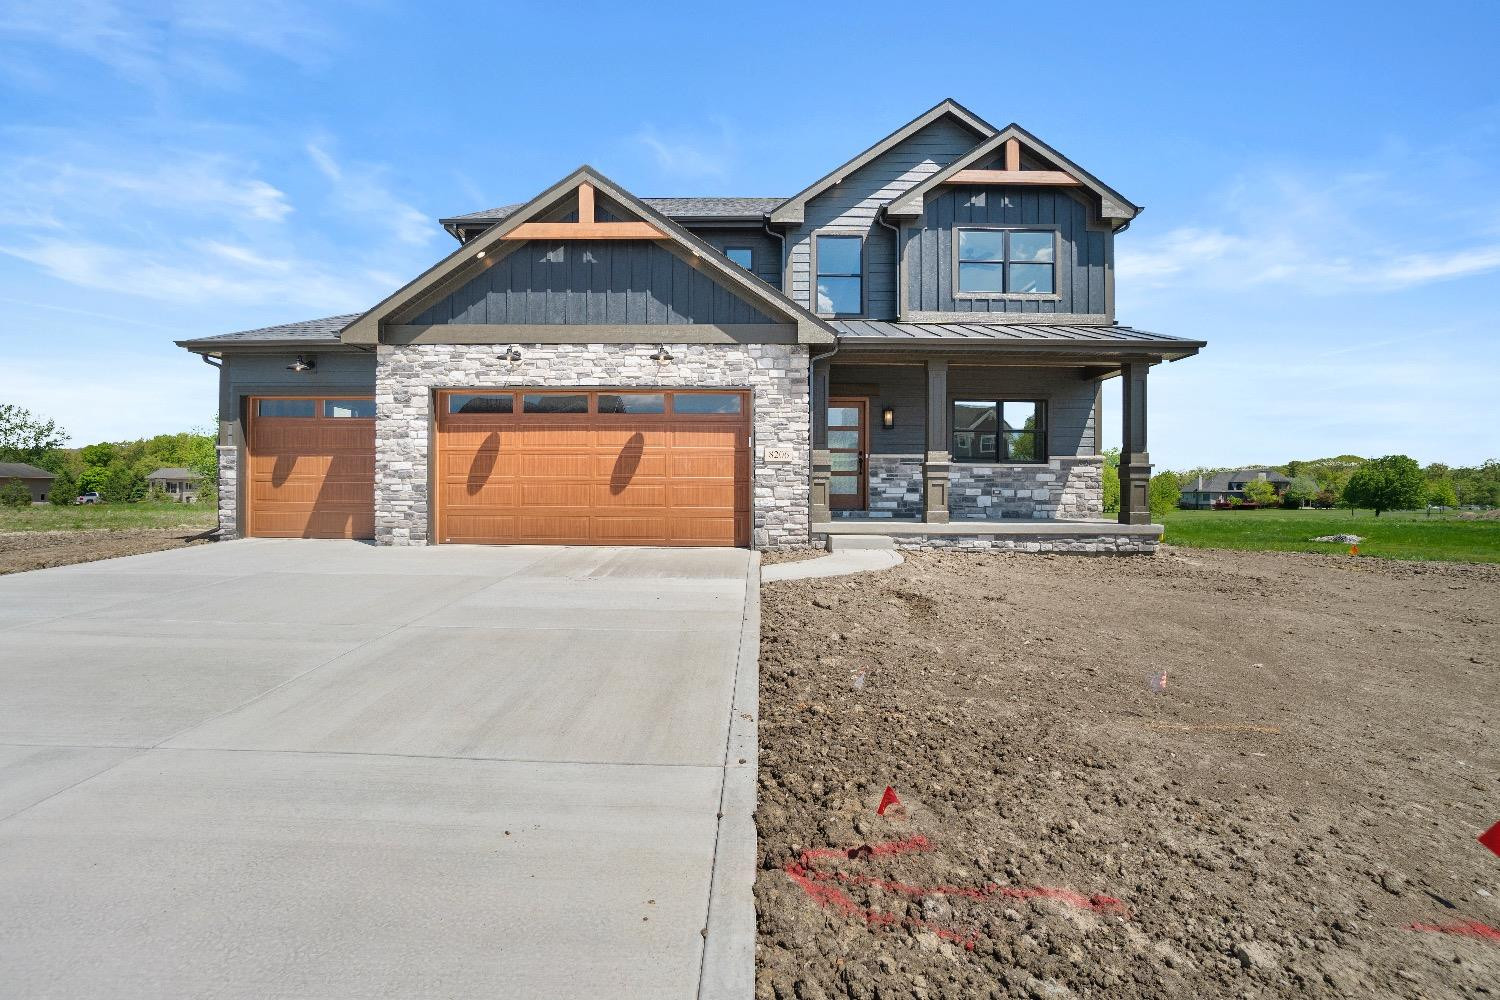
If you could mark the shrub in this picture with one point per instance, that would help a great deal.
(1260, 493)
(64, 490)
(15, 494)
(1164, 494)
(1390, 483)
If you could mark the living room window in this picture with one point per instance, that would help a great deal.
(1009, 430)
(841, 275)
(1006, 262)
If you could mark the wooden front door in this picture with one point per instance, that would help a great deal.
(848, 441)
(593, 466)
(312, 467)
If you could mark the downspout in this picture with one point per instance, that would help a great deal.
(210, 361)
(896, 253)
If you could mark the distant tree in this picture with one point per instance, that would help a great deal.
(1260, 492)
(15, 494)
(1301, 491)
(1441, 493)
(1111, 475)
(25, 437)
(1393, 482)
(63, 490)
(97, 455)
(1164, 493)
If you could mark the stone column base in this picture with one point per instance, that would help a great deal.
(935, 474)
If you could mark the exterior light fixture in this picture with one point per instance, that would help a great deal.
(888, 417)
(479, 255)
(512, 354)
(662, 355)
(304, 363)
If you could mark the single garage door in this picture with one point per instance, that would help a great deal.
(312, 467)
(596, 466)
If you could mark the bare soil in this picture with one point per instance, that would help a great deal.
(1306, 785)
(26, 550)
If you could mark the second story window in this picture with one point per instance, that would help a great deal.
(1006, 262)
(841, 275)
(743, 256)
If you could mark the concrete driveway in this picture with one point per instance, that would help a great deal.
(324, 769)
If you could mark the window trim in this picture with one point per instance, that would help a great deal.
(1039, 227)
(1044, 449)
(863, 275)
(749, 250)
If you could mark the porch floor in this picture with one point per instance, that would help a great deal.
(1052, 528)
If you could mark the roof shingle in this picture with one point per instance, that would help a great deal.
(672, 208)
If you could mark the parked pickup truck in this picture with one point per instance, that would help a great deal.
(84, 498)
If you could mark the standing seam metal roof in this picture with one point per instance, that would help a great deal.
(1012, 332)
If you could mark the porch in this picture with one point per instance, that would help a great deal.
(982, 436)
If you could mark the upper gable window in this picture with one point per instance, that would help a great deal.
(841, 275)
(743, 256)
(1007, 261)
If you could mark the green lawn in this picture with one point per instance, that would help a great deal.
(110, 517)
(1394, 535)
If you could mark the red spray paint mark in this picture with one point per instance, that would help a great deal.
(1491, 838)
(1354, 550)
(813, 881)
(1466, 928)
(887, 800)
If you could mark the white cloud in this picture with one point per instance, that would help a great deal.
(689, 155)
(360, 189)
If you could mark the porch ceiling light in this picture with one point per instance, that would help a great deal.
(304, 363)
(662, 355)
(888, 417)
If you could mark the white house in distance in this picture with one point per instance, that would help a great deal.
(180, 484)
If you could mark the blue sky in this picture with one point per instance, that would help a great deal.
(1321, 182)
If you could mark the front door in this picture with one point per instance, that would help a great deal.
(847, 442)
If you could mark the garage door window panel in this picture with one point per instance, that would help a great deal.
(632, 403)
(481, 402)
(553, 403)
(298, 408)
(706, 403)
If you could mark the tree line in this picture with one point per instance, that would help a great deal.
(116, 470)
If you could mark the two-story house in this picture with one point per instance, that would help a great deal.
(912, 345)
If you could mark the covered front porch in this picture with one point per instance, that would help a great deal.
(982, 436)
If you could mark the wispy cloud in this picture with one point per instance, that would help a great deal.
(361, 189)
(689, 155)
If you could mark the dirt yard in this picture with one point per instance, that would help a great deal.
(1269, 819)
(26, 550)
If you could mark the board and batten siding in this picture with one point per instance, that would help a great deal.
(765, 249)
(335, 371)
(614, 282)
(1084, 255)
(850, 207)
(1069, 399)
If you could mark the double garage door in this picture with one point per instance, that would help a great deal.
(598, 466)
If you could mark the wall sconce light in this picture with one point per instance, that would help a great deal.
(888, 417)
(304, 363)
(512, 354)
(662, 355)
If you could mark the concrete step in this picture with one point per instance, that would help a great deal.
(846, 543)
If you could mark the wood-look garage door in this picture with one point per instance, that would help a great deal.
(601, 467)
(312, 467)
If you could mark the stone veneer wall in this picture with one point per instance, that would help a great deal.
(895, 485)
(777, 374)
(1081, 543)
(1066, 488)
(229, 493)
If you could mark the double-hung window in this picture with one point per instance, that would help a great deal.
(1007, 261)
(841, 275)
(993, 430)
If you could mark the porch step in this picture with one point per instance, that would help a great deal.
(844, 543)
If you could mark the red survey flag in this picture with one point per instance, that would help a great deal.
(1491, 838)
(887, 800)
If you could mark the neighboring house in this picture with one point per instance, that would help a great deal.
(179, 484)
(912, 345)
(1222, 487)
(38, 481)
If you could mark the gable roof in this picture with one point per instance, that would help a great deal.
(706, 209)
(20, 470)
(311, 332)
(462, 263)
(793, 209)
(174, 472)
(1219, 481)
(1112, 204)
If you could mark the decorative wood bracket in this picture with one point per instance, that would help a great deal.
(1013, 174)
(587, 227)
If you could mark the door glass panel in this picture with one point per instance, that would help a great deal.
(843, 416)
(356, 408)
(844, 461)
(843, 439)
(632, 402)
(843, 485)
(554, 402)
(706, 402)
(464, 402)
(286, 407)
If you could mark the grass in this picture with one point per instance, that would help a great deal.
(1393, 535)
(107, 517)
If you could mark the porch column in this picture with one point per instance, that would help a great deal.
(935, 467)
(1135, 463)
(822, 463)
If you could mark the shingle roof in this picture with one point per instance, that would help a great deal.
(174, 473)
(672, 208)
(312, 331)
(20, 470)
(879, 331)
(1219, 481)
